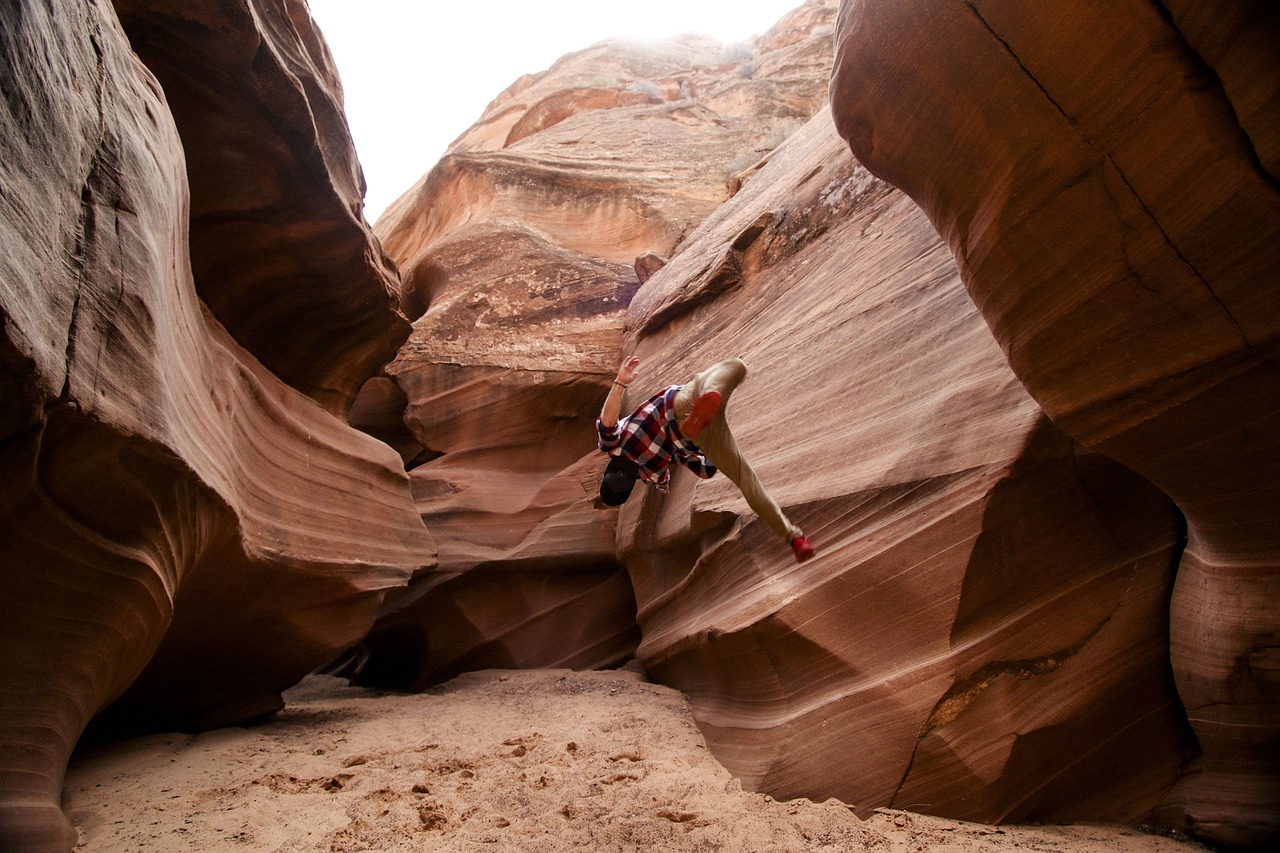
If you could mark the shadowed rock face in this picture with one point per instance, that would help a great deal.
(983, 632)
(518, 254)
(279, 248)
(1106, 176)
(181, 532)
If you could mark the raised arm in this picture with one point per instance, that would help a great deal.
(612, 408)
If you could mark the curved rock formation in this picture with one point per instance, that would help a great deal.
(162, 489)
(279, 246)
(500, 377)
(1106, 176)
(983, 632)
(519, 250)
(624, 147)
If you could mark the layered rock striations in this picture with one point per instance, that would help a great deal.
(181, 532)
(983, 632)
(1035, 453)
(279, 247)
(1106, 176)
(519, 252)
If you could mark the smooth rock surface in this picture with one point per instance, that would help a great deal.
(279, 246)
(1106, 176)
(164, 493)
(983, 633)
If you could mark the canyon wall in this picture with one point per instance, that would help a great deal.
(521, 251)
(1008, 310)
(1106, 176)
(184, 532)
(999, 622)
(983, 633)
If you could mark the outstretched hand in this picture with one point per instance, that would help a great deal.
(629, 369)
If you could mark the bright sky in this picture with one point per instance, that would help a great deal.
(417, 73)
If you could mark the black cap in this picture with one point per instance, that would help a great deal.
(619, 479)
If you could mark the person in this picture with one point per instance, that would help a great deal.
(683, 424)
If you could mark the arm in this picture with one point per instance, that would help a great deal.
(699, 464)
(612, 408)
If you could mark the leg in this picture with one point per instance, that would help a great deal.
(718, 443)
(706, 396)
(723, 377)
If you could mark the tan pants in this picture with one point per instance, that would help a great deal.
(717, 442)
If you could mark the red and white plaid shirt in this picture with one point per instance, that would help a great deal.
(650, 437)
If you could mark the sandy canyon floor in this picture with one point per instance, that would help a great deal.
(547, 760)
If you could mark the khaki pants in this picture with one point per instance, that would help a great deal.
(717, 442)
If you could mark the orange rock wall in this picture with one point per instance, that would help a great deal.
(983, 632)
(519, 252)
(182, 533)
(1017, 383)
(1105, 175)
(279, 247)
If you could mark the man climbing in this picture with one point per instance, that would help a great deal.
(663, 430)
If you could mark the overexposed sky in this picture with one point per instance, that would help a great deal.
(417, 73)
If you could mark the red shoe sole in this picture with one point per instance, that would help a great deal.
(701, 414)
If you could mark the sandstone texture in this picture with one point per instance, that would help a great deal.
(986, 632)
(1106, 176)
(983, 632)
(1008, 307)
(519, 253)
(182, 533)
(279, 247)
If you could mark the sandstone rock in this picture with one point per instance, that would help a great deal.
(654, 147)
(503, 378)
(379, 411)
(1106, 178)
(162, 489)
(279, 246)
(519, 251)
(983, 631)
(648, 264)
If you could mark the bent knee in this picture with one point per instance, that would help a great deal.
(734, 368)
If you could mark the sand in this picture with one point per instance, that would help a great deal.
(545, 760)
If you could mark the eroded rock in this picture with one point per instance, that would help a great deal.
(983, 631)
(1106, 178)
(519, 252)
(279, 246)
(164, 493)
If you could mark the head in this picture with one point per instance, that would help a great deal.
(619, 479)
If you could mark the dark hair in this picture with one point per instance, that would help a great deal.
(618, 481)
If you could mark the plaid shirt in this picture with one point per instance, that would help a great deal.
(651, 438)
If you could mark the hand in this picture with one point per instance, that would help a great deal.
(629, 369)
